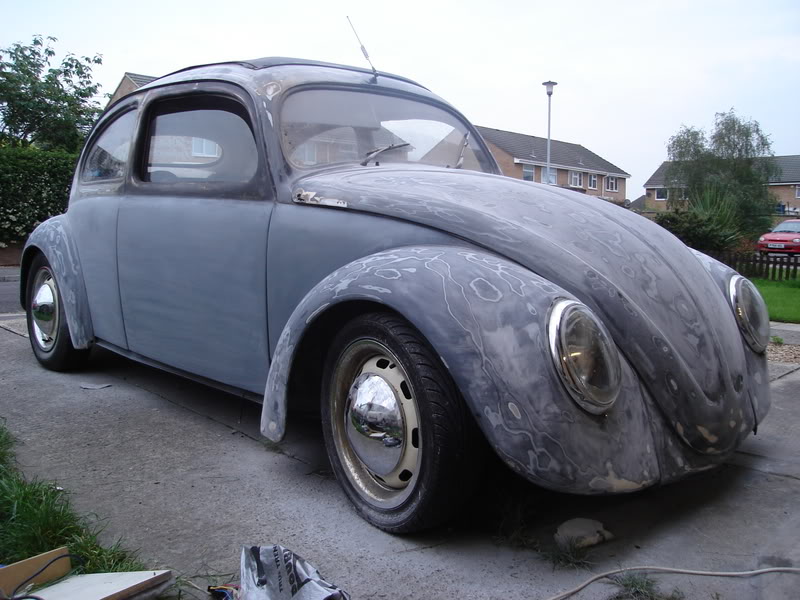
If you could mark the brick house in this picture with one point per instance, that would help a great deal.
(575, 167)
(785, 186)
(130, 82)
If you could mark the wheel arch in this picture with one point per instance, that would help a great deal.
(304, 383)
(54, 240)
(485, 317)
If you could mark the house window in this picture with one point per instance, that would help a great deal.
(527, 172)
(576, 179)
(797, 191)
(611, 185)
(553, 172)
(662, 194)
(205, 148)
(592, 181)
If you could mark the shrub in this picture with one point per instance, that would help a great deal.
(34, 186)
(699, 231)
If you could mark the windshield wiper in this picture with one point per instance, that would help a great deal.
(373, 153)
(464, 144)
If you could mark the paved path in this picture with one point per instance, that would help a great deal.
(180, 472)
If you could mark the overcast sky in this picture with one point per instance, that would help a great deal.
(629, 73)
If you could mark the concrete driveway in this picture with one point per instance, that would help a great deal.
(180, 472)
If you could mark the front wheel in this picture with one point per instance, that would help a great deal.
(47, 325)
(399, 437)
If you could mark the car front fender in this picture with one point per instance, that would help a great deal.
(486, 318)
(54, 239)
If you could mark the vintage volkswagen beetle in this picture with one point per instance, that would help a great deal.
(285, 229)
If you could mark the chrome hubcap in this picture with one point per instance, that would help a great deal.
(44, 309)
(376, 423)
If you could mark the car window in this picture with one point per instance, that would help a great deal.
(108, 156)
(321, 127)
(787, 227)
(200, 140)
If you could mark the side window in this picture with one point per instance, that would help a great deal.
(201, 139)
(108, 156)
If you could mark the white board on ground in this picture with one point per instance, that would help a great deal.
(105, 586)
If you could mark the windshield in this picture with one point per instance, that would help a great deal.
(322, 127)
(787, 227)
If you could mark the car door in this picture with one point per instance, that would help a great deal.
(192, 236)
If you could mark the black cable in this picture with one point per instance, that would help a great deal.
(39, 572)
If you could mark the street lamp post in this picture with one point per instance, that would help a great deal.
(549, 85)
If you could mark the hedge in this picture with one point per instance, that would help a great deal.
(34, 185)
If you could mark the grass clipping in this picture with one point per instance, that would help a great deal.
(37, 516)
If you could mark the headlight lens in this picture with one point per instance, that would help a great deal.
(796, 240)
(761, 239)
(751, 312)
(584, 356)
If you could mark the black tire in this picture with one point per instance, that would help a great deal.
(54, 350)
(442, 460)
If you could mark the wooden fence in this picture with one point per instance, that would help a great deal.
(752, 264)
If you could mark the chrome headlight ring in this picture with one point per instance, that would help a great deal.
(750, 311)
(584, 356)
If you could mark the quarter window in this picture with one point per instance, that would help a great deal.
(108, 157)
(200, 140)
(592, 181)
(575, 179)
(527, 172)
(611, 184)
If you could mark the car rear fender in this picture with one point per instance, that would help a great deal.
(54, 239)
(486, 319)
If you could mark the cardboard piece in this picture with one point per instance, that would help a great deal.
(13, 575)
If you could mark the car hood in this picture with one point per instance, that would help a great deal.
(665, 312)
(780, 237)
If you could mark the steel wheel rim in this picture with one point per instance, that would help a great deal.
(45, 310)
(381, 488)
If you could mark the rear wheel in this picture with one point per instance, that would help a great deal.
(47, 325)
(399, 437)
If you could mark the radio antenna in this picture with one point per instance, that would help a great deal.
(364, 51)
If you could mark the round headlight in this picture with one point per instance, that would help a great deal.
(584, 355)
(751, 312)
(761, 239)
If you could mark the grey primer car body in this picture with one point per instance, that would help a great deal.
(225, 286)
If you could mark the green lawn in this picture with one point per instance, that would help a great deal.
(782, 298)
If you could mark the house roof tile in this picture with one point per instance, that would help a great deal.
(533, 148)
(140, 80)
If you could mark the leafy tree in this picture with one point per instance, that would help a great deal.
(51, 107)
(733, 164)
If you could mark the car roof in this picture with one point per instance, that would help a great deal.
(271, 62)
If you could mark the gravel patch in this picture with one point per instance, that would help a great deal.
(787, 353)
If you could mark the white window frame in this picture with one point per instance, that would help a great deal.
(205, 148)
(573, 176)
(553, 175)
(609, 180)
(592, 181)
(531, 170)
(797, 191)
(666, 194)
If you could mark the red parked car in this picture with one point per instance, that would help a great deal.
(784, 238)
